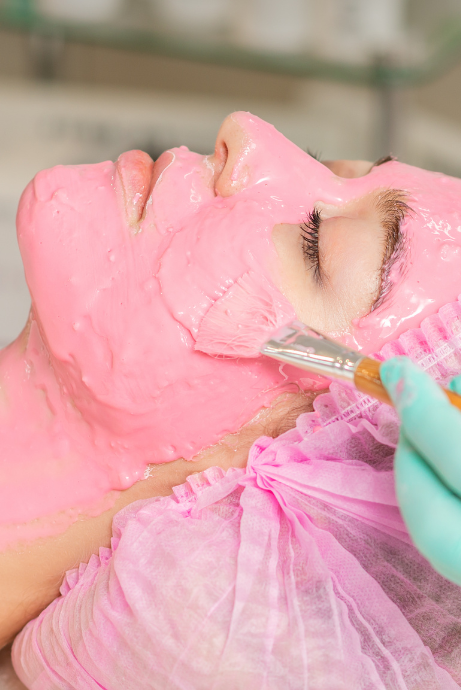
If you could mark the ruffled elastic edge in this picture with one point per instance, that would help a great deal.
(435, 347)
(72, 577)
(185, 495)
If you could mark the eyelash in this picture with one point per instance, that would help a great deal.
(310, 241)
(384, 159)
(314, 154)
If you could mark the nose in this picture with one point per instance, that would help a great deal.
(231, 173)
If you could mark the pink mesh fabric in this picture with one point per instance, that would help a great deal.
(435, 346)
(296, 573)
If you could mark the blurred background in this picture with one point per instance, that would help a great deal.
(84, 80)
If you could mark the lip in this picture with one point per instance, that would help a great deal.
(162, 162)
(135, 170)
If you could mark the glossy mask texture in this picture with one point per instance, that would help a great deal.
(118, 303)
(431, 275)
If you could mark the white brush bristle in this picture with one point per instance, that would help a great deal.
(242, 319)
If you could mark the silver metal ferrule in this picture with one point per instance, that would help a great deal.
(305, 348)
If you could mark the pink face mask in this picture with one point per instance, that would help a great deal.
(121, 279)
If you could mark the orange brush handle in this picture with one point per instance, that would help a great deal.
(367, 380)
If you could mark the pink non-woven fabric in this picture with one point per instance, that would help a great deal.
(296, 573)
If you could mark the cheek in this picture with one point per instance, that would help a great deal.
(207, 257)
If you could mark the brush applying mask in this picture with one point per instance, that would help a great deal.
(252, 311)
(305, 348)
(239, 321)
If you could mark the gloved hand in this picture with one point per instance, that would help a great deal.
(428, 463)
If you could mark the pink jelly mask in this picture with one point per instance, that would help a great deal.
(120, 305)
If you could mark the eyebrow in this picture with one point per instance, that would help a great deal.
(392, 208)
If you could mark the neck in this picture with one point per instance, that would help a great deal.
(49, 461)
(233, 449)
(32, 573)
(53, 461)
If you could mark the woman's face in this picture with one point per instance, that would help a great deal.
(125, 260)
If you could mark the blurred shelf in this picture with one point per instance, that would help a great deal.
(383, 72)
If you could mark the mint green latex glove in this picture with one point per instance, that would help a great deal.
(428, 463)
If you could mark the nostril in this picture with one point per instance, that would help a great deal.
(230, 171)
(221, 157)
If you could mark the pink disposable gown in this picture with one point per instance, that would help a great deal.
(294, 574)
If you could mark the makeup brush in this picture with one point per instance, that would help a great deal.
(305, 348)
